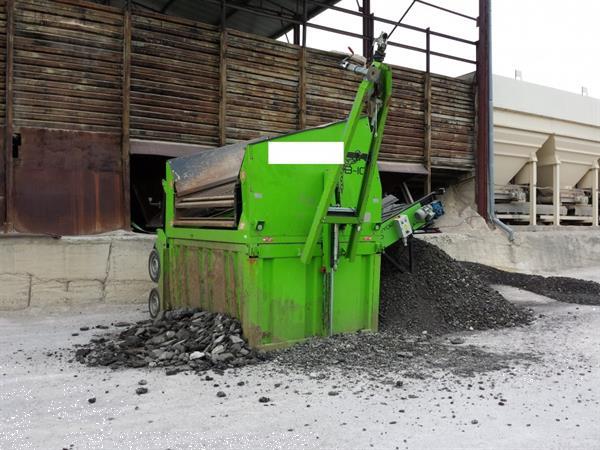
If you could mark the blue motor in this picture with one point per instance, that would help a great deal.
(438, 208)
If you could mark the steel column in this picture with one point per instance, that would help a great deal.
(595, 195)
(367, 26)
(483, 112)
(533, 191)
(556, 192)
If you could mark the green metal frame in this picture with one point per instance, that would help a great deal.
(282, 279)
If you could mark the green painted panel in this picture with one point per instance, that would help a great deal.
(356, 295)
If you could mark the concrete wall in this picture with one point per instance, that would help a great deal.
(38, 271)
(536, 251)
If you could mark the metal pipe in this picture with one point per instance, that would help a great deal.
(331, 294)
(392, 22)
(456, 13)
(490, 140)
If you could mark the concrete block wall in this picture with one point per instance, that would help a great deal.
(42, 271)
(541, 251)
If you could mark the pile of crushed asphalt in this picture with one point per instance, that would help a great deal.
(441, 294)
(391, 352)
(183, 340)
(563, 289)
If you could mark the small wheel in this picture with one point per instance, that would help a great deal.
(154, 265)
(154, 303)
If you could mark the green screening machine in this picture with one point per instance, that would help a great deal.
(286, 233)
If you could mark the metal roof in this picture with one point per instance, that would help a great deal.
(250, 19)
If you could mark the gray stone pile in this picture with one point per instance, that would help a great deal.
(183, 340)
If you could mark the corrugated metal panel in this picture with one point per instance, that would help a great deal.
(174, 80)
(67, 67)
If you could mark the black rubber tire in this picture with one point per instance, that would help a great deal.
(154, 265)
(154, 303)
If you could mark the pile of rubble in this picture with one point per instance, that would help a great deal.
(441, 294)
(183, 340)
(563, 289)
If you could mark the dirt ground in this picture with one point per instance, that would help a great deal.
(544, 394)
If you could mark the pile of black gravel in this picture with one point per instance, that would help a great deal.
(563, 289)
(377, 355)
(183, 340)
(441, 295)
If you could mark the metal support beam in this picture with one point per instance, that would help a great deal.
(556, 192)
(451, 11)
(165, 8)
(483, 113)
(595, 194)
(368, 29)
(533, 190)
(223, 21)
(304, 20)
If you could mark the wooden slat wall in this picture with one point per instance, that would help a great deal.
(452, 123)
(69, 72)
(404, 134)
(330, 90)
(262, 87)
(67, 66)
(174, 80)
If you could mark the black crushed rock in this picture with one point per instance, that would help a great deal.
(563, 289)
(380, 354)
(441, 295)
(183, 340)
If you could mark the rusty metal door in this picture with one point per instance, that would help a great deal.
(67, 182)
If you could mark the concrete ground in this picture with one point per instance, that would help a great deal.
(550, 400)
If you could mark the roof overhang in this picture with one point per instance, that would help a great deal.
(270, 18)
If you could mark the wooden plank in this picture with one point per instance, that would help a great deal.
(48, 18)
(177, 23)
(78, 38)
(88, 13)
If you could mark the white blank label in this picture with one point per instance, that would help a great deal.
(306, 153)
